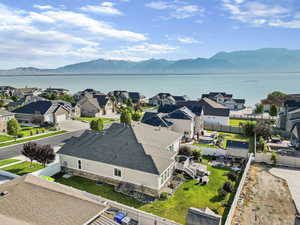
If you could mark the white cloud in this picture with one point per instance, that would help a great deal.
(178, 9)
(159, 5)
(257, 13)
(105, 8)
(43, 7)
(187, 40)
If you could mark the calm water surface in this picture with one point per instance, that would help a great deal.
(252, 86)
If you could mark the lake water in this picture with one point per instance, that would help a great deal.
(251, 86)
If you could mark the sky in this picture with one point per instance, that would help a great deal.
(53, 33)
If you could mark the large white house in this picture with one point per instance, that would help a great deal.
(139, 154)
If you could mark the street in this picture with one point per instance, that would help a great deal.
(15, 150)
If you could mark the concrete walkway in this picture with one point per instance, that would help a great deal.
(292, 176)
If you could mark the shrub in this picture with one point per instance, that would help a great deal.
(20, 135)
(31, 133)
(185, 150)
(163, 196)
(223, 193)
(52, 129)
(172, 185)
(274, 158)
(227, 186)
(232, 176)
(197, 154)
(180, 177)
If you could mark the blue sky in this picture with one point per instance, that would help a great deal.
(52, 33)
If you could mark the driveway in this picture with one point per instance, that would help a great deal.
(73, 125)
(292, 176)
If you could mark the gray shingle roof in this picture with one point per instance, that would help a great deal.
(139, 147)
(155, 119)
(35, 107)
(182, 113)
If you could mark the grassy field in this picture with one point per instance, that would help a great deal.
(104, 190)
(5, 138)
(23, 168)
(237, 123)
(189, 195)
(8, 161)
(32, 138)
(89, 119)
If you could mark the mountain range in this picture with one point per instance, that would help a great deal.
(261, 60)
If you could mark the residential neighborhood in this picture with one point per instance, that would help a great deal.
(124, 159)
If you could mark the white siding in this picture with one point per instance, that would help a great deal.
(106, 170)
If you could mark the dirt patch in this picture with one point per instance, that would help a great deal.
(265, 200)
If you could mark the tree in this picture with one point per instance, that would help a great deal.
(227, 186)
(197, 154)
(273, 110)
(2, 103)
(263, 129)
(97, 125)
(13, 127)
(129, 102)
(30, 151)
(248, 129)
(136, 116)
(45, 154)
(125, 117)
(259, 109)
(232, 176)
(185, 150)
(274, 158)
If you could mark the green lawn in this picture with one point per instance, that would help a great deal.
(236, 122)
(23, 168)
(104, 190)
(5, 138)
(29, 131)
(205, 145)
(8, 161)
(32, 138)
(89, 119)
(191, 195)
(175, 208)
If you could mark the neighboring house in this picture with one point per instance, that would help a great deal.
(162, 99)
(5, 116)
(205, 110)
(24, 101)
(29, 200)
(180, 98)
(86, 93)
(96, 106)
(7, 90)
(181, 120)
(295, 135)
(23, 92)
(139, 155)
(289, 114)
(120, 96)
(226, 100)
(56, 91)
(135, 97)
(43, 112)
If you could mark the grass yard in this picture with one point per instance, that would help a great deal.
(191, 195)
(103, 190)
(5, 138)
(8, 161)
(89, 119)
(32, 138)
(205, 145)
(23, 168)
(236, 122)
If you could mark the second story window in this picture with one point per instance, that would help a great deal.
(79, 164)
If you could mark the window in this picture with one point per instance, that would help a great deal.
(117, 172)
(79, 164)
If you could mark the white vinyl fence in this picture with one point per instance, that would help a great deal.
(238, 192)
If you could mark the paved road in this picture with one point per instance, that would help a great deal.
(13, 151)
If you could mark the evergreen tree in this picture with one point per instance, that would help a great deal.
(13, 127)
(273, 110)
(125, 117)
(97, 125)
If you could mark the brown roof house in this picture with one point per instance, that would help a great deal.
(5, 116)
(96, 106)
(134, 155)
